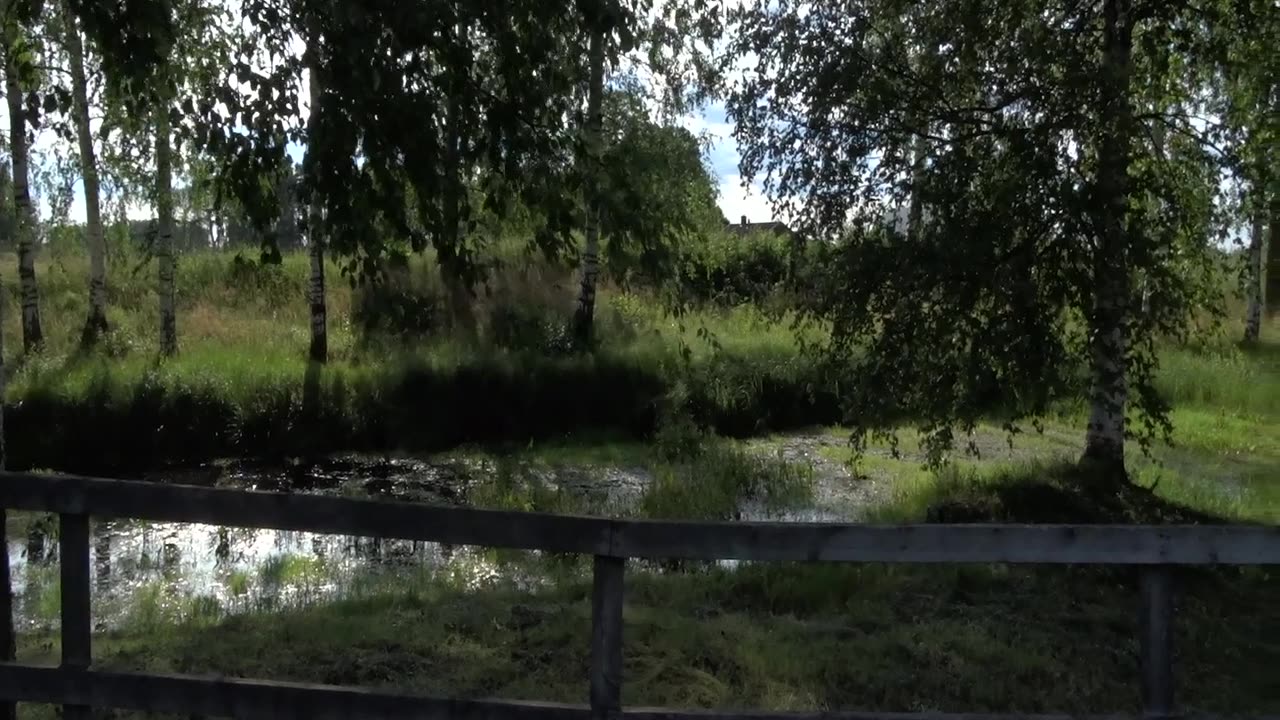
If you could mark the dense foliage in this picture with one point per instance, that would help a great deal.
(992, 208)
(1061, 198)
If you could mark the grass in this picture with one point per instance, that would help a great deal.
(241, 385)
(775, 637)
(784, 636)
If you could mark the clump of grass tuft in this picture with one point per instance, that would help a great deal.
(718, 481)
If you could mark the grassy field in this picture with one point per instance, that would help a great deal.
(970, 638)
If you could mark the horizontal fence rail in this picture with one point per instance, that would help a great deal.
(78, 687)
(655, 539)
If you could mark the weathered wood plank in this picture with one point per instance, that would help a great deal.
(606, 635)
(249, 699)
(1156, 642)
(289, 511)
(650, 714)
(73, 566)
(1047, 544)
(658, 714)
(8, 645)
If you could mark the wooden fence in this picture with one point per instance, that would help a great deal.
(78, 687)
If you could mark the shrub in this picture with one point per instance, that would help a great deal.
(731, 269)
(406, 304)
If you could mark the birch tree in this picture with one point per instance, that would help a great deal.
(1255, 279)
(19, 74)
(584, 315)
(319, 350)
(1249, 103)
(166, 261)
(1044, 189)
(96, 323)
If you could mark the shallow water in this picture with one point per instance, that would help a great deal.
(173, 570)
(145, 571)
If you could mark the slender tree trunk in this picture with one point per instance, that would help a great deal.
(1253, 314)
(584, 316)
(96, 323)
(453, 268)
(1108, 321)
(915, 212)
(165, 258)
(8, 646)
(25, 226)
(315, 233)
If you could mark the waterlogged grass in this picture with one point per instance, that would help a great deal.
(704, 477)
(715, 483)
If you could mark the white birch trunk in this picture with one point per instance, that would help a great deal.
(915, 211)
(1253, 313)
(316, 241)
(584, 316)
(167, 262)
(96, 323)
(32, 335)
(1108, 322)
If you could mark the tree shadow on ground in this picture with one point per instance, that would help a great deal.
(1064, 492)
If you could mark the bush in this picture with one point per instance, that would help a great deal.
(529, 328)
(731, 269)
(408, 303)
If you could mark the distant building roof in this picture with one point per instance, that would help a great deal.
(776, 227)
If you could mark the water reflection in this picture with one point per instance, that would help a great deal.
(240, 568)
(170, 570)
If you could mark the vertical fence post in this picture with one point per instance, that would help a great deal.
(8, 643)
(73, 561)
(1156, 641)
(606, 636)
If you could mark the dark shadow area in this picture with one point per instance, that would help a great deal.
(766, 636)
(1058, 493)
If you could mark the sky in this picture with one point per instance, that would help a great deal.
(734, 198)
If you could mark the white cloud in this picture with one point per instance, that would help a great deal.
(736, 200)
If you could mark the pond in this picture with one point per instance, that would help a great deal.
(145, 571)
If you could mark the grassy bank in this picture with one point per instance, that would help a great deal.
(241, 385)
(403, 376)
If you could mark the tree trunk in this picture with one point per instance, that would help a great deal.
(32, 335)
(8, 646)
(1253, 314)
(164, 234)
(96, 323)
(584, 316)
(915, 211)
(450, 253)
(1108, 321)
(315, 234)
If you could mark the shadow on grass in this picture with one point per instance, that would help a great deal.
(1266, 352)
(1063, 492)
(770, 637)
(784, 636)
